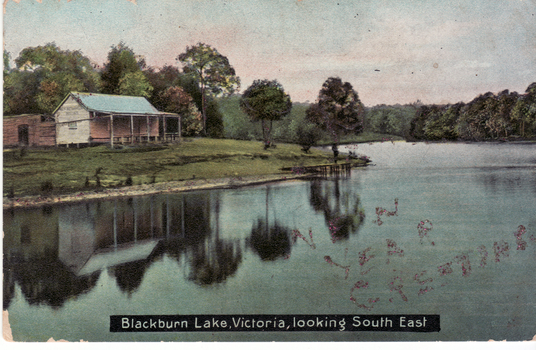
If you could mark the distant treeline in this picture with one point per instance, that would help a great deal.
(44, 75)
(506, 115)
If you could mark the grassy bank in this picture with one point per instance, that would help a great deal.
(66, 170)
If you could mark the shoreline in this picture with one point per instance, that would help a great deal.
(149, 189)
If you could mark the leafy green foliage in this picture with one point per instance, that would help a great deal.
(236, 123)
(394, 120)
(338, 109)
(212, 72)
(7, 67)
(20, 90)
(180, 102)
(134, 84)
(118, 75)
(44, 75)
(487, 117)
(214, 119)
(523, 115)
(160, 80)
(308, 136)
(441, 124)
(266, 101)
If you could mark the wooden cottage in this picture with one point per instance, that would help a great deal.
(89, 118)
(29, 130)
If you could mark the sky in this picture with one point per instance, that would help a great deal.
(391, 51)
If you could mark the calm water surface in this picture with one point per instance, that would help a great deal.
(451, 245)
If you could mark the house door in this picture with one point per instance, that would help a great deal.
(23, 135)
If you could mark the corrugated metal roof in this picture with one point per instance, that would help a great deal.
(116, 104)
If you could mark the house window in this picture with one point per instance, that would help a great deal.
(72, 126)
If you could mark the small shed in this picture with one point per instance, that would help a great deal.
(87, 118)
(29, 130)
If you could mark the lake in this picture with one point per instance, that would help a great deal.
(441, 229)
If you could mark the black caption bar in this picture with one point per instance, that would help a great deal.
(274, 323)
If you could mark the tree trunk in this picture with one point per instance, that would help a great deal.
(204, 108)
(335, 149)
(265, 135)
(270, 133)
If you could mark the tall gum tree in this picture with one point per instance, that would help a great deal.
(337, 110)
(212, 71)
(266, 101)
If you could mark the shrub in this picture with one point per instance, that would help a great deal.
(47, 187)
(11, 193)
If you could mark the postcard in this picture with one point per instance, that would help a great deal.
(269, 171)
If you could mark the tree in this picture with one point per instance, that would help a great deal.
(266, 101)
(337, 110)
(441, 123)
(122, 73)
(134, 84)
(523, 114)
(178, 101)
(307, 135)
(7, 67)
(161, 80)
(214, 118)
(500, 119)
(212, 71)
(473, 117)
(20, 89)
(43, 76)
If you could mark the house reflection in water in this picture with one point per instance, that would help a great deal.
(31, 249)
(59, 252)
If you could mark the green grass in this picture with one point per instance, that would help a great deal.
(67, 168)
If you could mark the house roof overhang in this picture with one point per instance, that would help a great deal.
(114, 105)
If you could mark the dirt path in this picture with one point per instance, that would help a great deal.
(147, 189)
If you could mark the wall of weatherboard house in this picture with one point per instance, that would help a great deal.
(72, 123)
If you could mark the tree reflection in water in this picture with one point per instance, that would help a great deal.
(214, 259)
(270, 241)
(214, 262)
(129, 276)
(342, 212)
(57, 253)
(51, 283)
